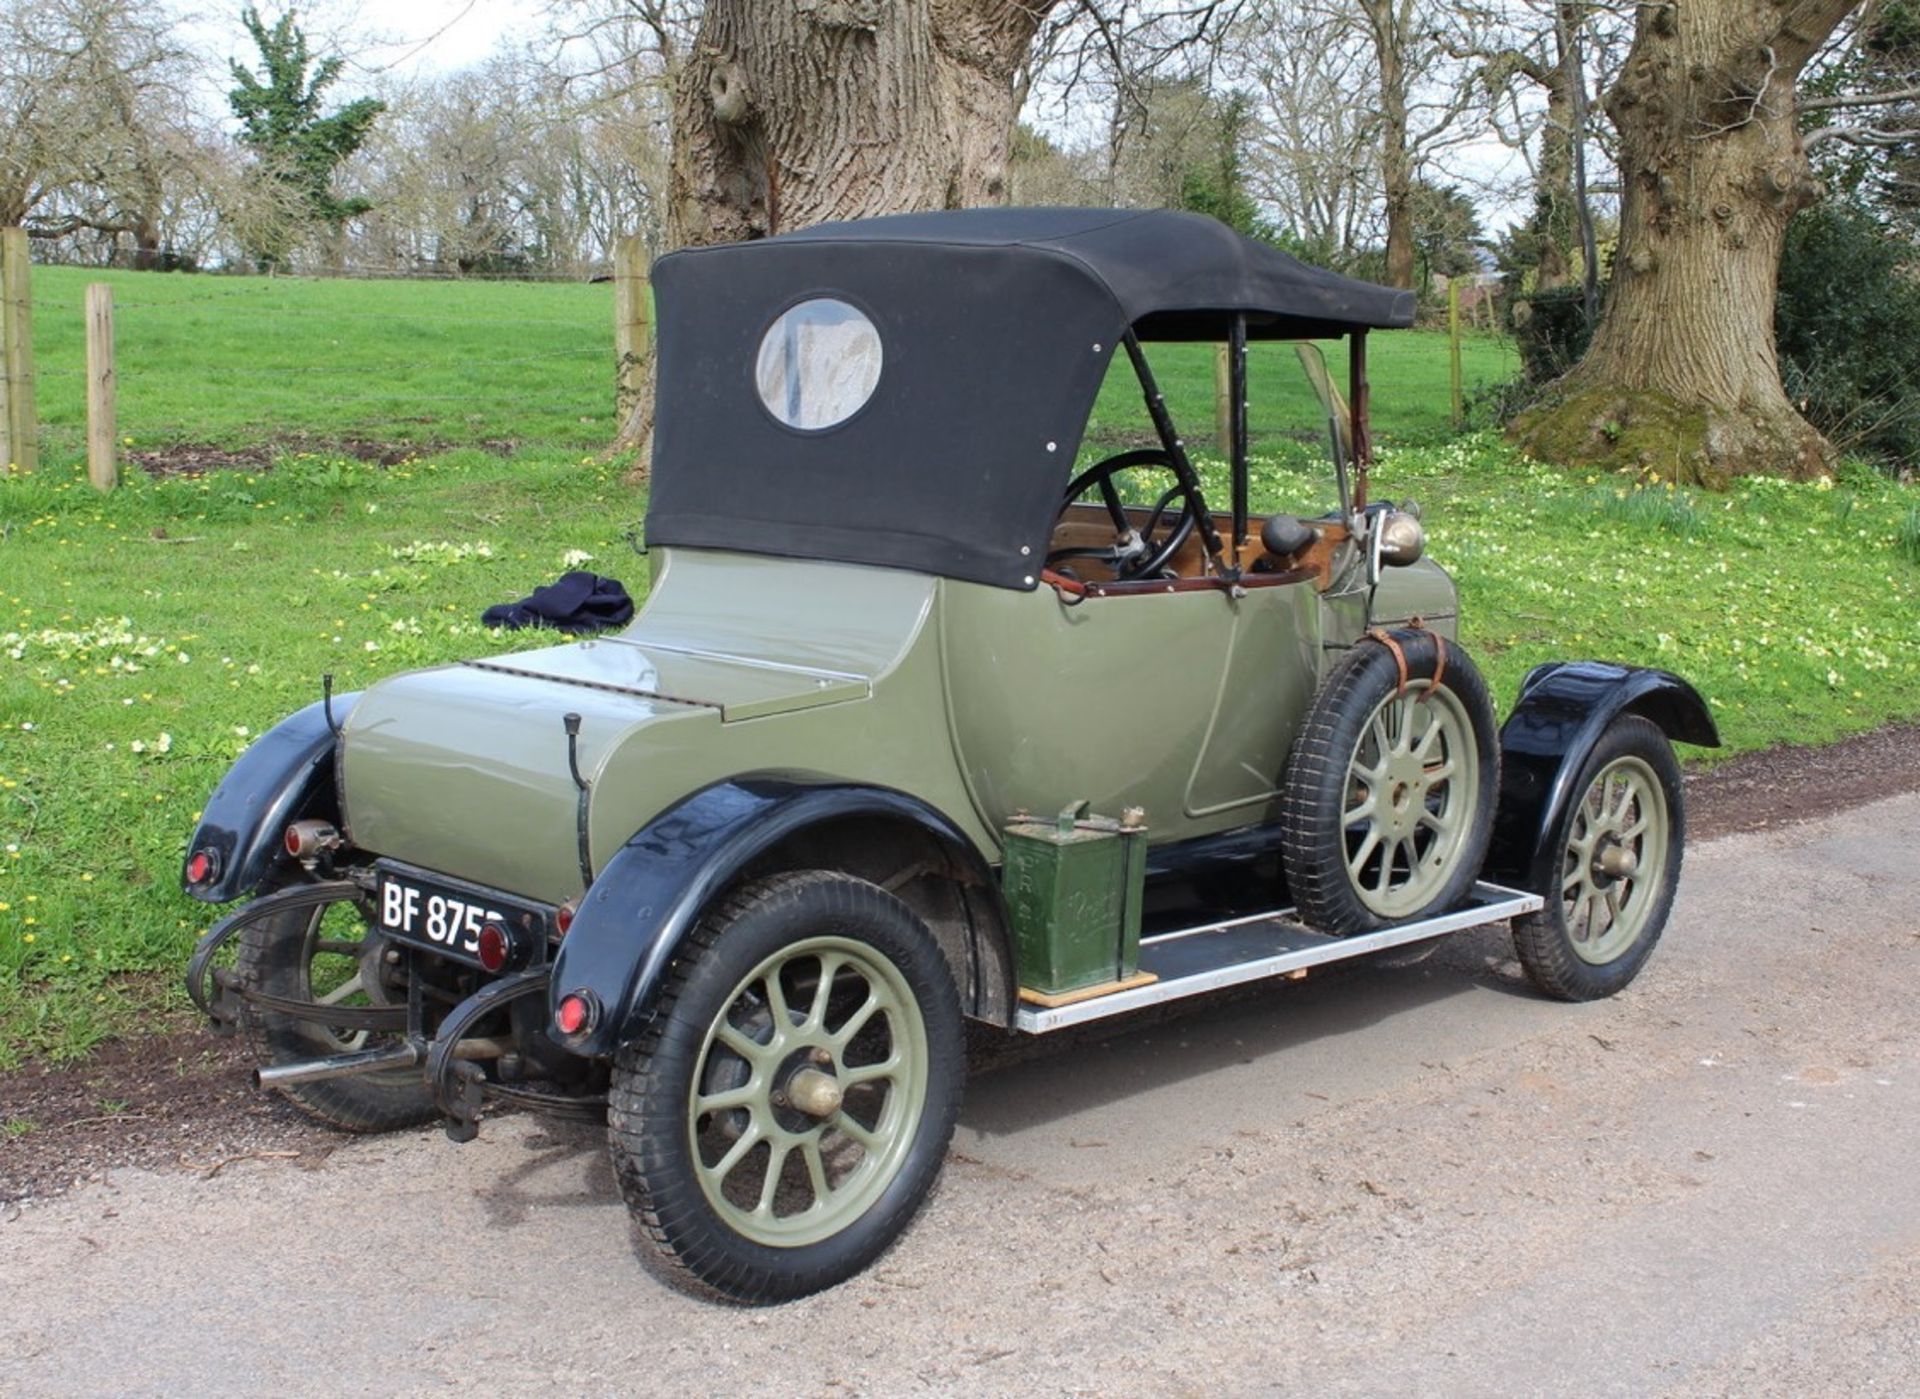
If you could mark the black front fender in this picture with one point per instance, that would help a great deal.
(285, 775)
(651, 893)
(1563, 709)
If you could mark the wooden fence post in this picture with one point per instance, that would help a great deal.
(103, 448)
(16, 352)
(6, 388)
(1453, 349)
(630, 315)
(1223, 401)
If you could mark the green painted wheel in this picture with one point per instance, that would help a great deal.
(813, 1079)
(1610, 868)
(1614, 860)
(1414, 792)
(786, 1110)
(1387, 804)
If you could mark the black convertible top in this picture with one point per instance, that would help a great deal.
(1168, 270)
(995, 327)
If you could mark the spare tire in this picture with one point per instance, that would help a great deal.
(1387, 804)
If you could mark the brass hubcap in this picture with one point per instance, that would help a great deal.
(814, 1093)
(808, 1092)
(1413, 783)
(1615, 860)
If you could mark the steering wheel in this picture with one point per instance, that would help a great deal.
(1135, 553)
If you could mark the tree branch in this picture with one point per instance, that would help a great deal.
(1859, 136)
(73, 224)
(1847, 100)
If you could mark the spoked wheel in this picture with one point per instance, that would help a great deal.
(790, 1105)
(329, 956)
(1387, 806)
(1618, 862)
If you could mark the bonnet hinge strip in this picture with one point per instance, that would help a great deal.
(585, 788)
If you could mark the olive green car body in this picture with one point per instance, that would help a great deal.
(977, 701)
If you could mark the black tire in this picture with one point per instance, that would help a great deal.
(277, 956)
(1560, 948)
(672, 1160)
(1345, 871)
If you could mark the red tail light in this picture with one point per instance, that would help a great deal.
(304, 839)
(200, 867)
(563, 916)
(495, 947)
(574, 1014)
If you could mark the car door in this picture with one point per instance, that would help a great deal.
(1110, 700)
(1271, 670)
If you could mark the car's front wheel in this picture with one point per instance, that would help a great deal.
(1618, 849)
(789, 1105)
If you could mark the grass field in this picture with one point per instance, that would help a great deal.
(233, 361)
(236, 362)
(148, 636)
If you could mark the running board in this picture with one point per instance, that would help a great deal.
(1192, 961)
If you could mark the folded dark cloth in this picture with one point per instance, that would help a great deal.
(578, 602)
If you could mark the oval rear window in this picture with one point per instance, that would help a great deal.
(819, 364)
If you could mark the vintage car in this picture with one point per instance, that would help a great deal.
(919, 724)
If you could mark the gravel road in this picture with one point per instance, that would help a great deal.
(1422, 1180)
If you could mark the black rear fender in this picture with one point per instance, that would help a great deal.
(651, 894)
(287, 775)
(1563, 709)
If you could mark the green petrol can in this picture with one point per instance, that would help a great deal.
(1073, 887)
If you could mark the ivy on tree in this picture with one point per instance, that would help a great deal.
(297, 144)
(1215, 183)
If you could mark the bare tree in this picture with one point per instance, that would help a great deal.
(535, 160)
(1422, 95)
(1528, 50)
(1133, 62)
(1315, 158)
(99, 135)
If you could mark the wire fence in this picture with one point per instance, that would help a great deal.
(206, 367)
(117, 256)
(223, 369)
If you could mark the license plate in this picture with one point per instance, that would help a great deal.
(446, 915)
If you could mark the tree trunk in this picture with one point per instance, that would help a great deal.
(1386, 25)
(790, 115)
(1554, 217)
(1681, 378)
(146, 241)
(794, 114)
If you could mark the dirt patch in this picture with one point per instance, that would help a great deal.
(198, 458)
(179, 1101)
(1783, 785)
(182, 1100)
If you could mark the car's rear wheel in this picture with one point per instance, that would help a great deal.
(1387, 804)
(787, 1109)
(1611, 885)
(328, 955)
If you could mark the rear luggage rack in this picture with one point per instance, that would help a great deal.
(1209, 956)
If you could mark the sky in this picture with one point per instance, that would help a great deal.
(389, 40)
(378, 39)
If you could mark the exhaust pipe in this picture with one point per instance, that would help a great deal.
(366, 1061)
(372, 1061)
